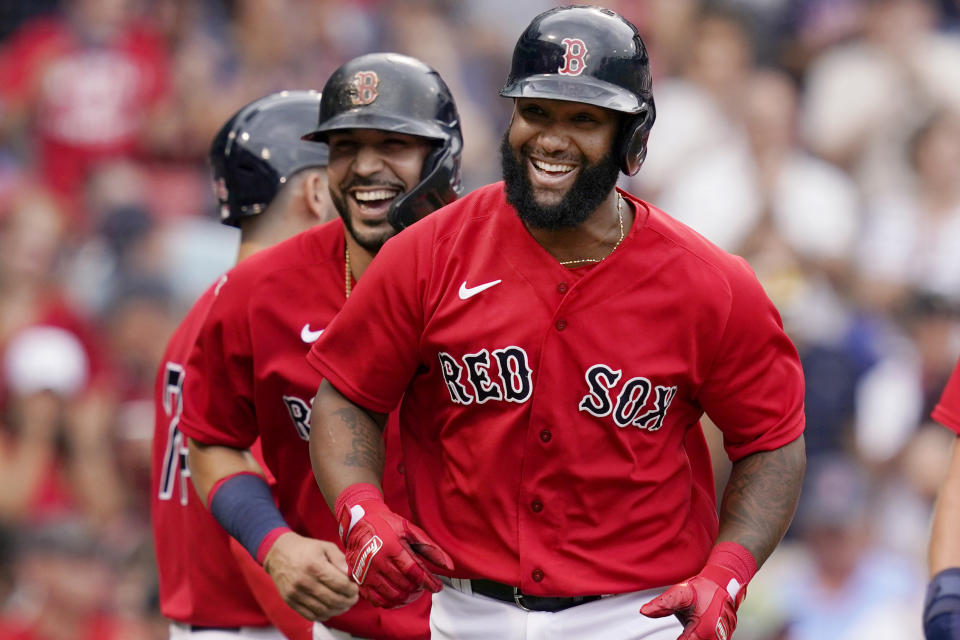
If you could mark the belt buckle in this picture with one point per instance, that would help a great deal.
(518, 599)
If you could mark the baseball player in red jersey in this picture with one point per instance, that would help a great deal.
(941, 613)
(271, 185)
(394, 128)
(552, 343)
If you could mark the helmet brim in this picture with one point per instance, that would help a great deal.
(579, 89)
(367, 119)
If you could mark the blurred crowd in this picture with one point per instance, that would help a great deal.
(819, 139)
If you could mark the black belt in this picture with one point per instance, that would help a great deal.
(197, 627)
(513, 595)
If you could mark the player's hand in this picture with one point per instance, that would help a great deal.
(706, 604)
(391, 558)
(311, 576)
(706, 610)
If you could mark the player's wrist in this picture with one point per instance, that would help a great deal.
(731, 566)
(348, 508)
(269, 542)
(243, 505)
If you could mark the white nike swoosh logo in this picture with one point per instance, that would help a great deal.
(468, 292)
(309, 336)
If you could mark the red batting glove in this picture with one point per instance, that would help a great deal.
(389, 556)
(707, 603)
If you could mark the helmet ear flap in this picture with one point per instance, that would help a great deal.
(634, 135)
(439, 185)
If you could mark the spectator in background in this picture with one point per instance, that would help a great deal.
(856, 113)
(44, 368)
(84, 84)
(912, 240)
(30, 297)
(231, 53)
(65, 589)
(700, 148)
(842, 585)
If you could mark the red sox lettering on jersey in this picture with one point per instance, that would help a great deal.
(513, 393)
(469, 379)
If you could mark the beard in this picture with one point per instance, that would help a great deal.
(591, 187)
(371, 238)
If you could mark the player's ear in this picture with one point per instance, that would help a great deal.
(317, 196)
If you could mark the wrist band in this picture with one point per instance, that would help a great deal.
(244, 507)
(941, 609)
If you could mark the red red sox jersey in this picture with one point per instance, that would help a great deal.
(947, 411)
(550, 417)
(248, 377)
(200, 582)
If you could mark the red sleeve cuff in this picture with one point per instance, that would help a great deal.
(267, 543)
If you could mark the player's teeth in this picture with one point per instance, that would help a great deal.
(366, 196)
(553, 168)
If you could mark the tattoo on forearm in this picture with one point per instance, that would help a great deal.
(366, 445)
(761, 498)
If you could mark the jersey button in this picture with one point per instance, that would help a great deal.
(401, 468)
(537, 575)
(545, 435)
(562, 287)
(537, 506)
(561, 324)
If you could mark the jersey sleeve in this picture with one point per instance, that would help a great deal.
(369, 352)
(754, 387)
(219, 378)
(947, 411)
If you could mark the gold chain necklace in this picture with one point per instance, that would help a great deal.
(346, 270)
(588, 260)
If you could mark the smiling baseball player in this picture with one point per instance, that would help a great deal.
(552, 343)
(394, 135)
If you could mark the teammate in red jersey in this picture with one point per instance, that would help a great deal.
(271, 185)
(941, 614)
(552, 343)
(395, 142)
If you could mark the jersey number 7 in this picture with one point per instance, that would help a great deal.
(175, 453)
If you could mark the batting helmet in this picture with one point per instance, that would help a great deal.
(393, 92)
(259, 149)
(590, 55)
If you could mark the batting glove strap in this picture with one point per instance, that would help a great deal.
(731, 566)
(348, 507)
(389, 557)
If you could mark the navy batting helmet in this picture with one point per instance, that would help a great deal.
(259, 149)
(590, 55)
(393, 92)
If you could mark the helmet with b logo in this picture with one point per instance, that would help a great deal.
(590, 55)
(393, 92)
(259, 149)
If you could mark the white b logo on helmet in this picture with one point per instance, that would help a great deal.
(575, 52)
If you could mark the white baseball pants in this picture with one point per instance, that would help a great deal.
(458, 616)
